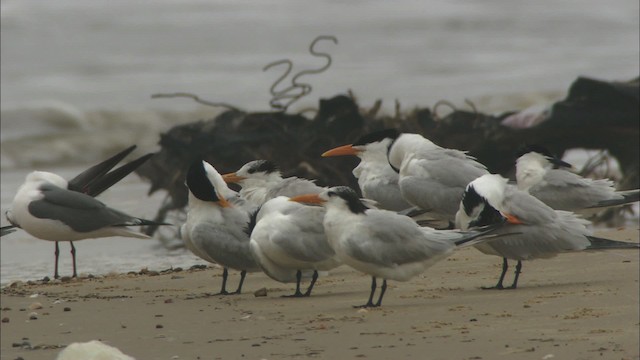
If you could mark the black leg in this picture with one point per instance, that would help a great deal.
(57, 254)
(243, 274)
(518, 271)
(383, 288)
(298, 293)
(370, 302)
(73, 258)
(499, 286)
(225, 275)
(313, 282)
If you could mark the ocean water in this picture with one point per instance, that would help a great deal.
(78, 75)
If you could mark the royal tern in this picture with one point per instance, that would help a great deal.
(382, 243)
(561, 189)
(92, 181)
(288, 238)
(538, 231)
(431, 177)
(273, 247)
(377, 180)
(261, 181)
(217, 220)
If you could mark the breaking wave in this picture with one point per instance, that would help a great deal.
(51, 134)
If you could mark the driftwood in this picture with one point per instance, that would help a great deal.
(594, 115)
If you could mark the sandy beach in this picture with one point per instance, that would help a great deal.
(575, 306)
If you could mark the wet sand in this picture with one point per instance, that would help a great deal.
(575, 306)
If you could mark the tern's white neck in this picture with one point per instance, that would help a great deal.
(407, 144)
(218, 182)
(530, 170)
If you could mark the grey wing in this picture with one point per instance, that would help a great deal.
(564, 190)
(389, 239)
(219, 244)
(305, 222)
(545, 232)
(293, 186)
(386, 194)
(441, 180)
(526, 207)
(80, 212)
(567, 233)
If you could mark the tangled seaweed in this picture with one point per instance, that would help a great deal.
(303, 89)
(277, 96)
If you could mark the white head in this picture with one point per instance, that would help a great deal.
(39, 177)
(372, 149)
(338, 196)
(257, 173)
(532, 164)
(491, 187)
(407, 144)
(481, 202)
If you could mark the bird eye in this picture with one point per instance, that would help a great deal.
(251, 171)
(331, 193)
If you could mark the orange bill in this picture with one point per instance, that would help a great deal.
(511, 219)
(223, 202)
(232, 178)
(341, 151)
(308, 199)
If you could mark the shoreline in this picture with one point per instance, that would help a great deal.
(579, 305)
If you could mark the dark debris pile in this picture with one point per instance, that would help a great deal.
(595, 114)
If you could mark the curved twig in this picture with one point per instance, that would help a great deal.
(272, 89)
(196, 99)
(278, 95)
(476, 113)
(313, 52)
(439, 103)
(305, 89)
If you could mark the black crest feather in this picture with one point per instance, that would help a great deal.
(377, 136)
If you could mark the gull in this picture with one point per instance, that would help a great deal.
(431, 177)
(539, 231)
(5, 230)
(376, 178)
(562, 189)
(217, 223)
(261, 180)
(382, 243)
(288, 238)
(51, 208)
